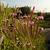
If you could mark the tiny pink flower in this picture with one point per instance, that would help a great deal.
(31, 22)
(40, 18)
(13, 14)
(25, 16)
(29, 16)
(21, 17)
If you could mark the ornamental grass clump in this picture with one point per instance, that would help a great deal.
(22, 34)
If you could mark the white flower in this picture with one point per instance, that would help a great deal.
(40, 29)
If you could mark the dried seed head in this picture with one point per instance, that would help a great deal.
(40, 29)
(34, 46)
(28, 44)
(17, 38)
